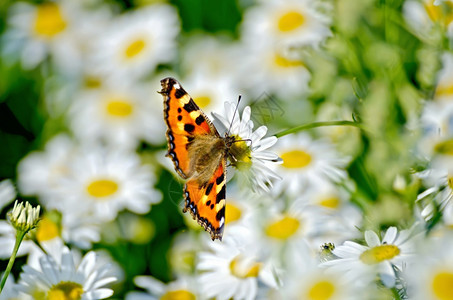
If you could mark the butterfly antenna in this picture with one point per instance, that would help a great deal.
(234, 114)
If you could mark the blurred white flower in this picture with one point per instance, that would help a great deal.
(233, 268)
(313, 282)
(7, 192)
(290, 237)
(103, 182)
(289, 22)
(120, 113)
(87, 182)
(58, 29)
(432, 276)
(40, 172)
(210, 92)
(251, 148)
(213, 80)
(307, 162)
(182, 288)
(439, 191)
(426, 16)
(363, 263)
(60, 278)
(269, 67)
(136, 42)
(341, 218)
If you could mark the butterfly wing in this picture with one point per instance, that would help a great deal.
(185, 120)
(206, 202)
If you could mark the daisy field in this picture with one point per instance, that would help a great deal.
(335, 132)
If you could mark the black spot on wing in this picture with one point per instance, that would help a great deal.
(221, 195)
(190, 106)
(179, 93)
(209, 188)
(189, 128)
(179, 118)
(220, 214)
(179, 110)
(220, 179)
(199, 120)
(208, 203)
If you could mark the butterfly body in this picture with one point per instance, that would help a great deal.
(199, 155)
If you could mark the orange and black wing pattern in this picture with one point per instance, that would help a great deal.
(185, 121)
(206, 202)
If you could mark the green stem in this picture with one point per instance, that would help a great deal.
(318, 124)
(19, 237)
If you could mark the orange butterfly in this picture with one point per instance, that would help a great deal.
(199, 154)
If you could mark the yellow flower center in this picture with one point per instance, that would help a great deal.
(379, 253)
(203, 101)
(444, 147)
(441, 13)
(283, 228)
(244, 269)
(102, 188)
(66, 290)
(242, 154)
(143, 230)
(330, 202)
(284, 62)
(444, 90)
(295, 159)
(92, 82)
(321, 290)
(47, 230)
(49, 21)
(120, 108)
(178, 295)
(134, 48)
(450, 181)
(442, 285)
(290, 21)
(232, 213)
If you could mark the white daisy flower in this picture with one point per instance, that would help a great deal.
(290, 22)
(291, 235)
(341, 218)
(440, 190)
(51, 28)
(437, 116)
(444, 88)
(121, 114)
(221, 56)
(253, 157)
(7, 193)
(362, 263)
(313, 282)
(210, 91)
(268, 67)
(432, 276)
(233, 268)
(306, 162)
(40, 172)
(137, 42)
(60, 277)
(103, 182)
(182, 288)
(427, 15)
